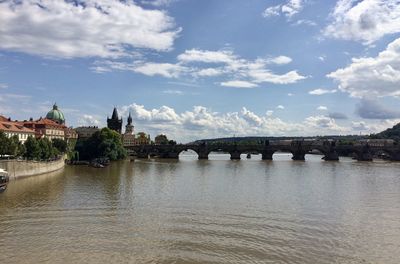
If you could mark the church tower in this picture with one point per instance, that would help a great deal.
(129, 127)
(114, 122)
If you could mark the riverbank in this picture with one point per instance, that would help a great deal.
(25, 168)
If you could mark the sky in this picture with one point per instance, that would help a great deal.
(196, 69)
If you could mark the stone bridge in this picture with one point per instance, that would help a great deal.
(299, 148)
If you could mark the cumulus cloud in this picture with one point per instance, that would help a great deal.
(322, 91)
(201, 122)
(372, 76)
(280, 60)
(86, 28)
(324, 122)
(88, 120)
(364, 20)
(322, 108)
(281, 107)
(289, 9)
(371, 109)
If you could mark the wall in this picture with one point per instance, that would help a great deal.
(23, 168)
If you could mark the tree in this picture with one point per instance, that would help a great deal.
(60, 144)
(105, 143)
(4, 142)
(32, 149)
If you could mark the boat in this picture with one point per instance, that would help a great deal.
(3, 180)
(248, 156)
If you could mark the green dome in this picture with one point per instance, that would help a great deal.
(56, 115)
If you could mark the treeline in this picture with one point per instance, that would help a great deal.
(390, 133)
(105, 143)
(32, 149)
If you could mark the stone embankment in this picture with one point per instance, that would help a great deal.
(25, 168)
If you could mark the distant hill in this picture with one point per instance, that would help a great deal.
(390, 133)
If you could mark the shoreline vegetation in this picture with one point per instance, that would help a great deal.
(99, 149)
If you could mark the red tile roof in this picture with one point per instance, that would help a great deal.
(10, 126)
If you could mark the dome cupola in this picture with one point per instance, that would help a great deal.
(56, 115)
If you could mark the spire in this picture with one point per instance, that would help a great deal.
(55, 107)
(114, 114)
(129, 119)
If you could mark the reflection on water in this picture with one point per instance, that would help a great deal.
(215, 211)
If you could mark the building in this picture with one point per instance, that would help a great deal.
(86, 132)
(47, 128)
(114, 122)
(15, 128)
(142, 139)
(128, 137)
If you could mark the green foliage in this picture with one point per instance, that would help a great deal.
(390, 133)
(105, 143)
(60, 144)
(10, 146)
(33, 150)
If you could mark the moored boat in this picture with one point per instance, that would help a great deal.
(3, 180)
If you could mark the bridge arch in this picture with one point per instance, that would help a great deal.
(190, 150)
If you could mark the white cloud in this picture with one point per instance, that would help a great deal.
(166, 70)
(209, 72)
(322, 108)
(88, 120)
(324, 122)
(86, 28)
(280, 107)
(364, 20)
(158, 2)
(239, 84)
(305, 22)
(206, 63)
(372, 77)
(290, 94)
(177, 92)
(207, 56)
(280, 60)
(3, 86)
(289, 9)
(322, 91)
(201, 122)
(322, 58)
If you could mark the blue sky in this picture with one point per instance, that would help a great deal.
(194, 69)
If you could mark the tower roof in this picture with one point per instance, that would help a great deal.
(114, 114)
(129, 119)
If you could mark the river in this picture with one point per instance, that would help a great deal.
(208, 211)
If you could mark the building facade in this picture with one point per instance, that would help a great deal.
(86, 132)
(15, 128)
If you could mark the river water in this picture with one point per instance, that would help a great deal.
(215, 211)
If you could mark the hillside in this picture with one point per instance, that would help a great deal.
(392, 133)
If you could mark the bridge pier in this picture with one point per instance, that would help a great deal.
(364, 156)
(267, 155)
(395, 157)
(142, 155)
(298, 155)
(203, 155)
(235, 155)
(331, 156)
